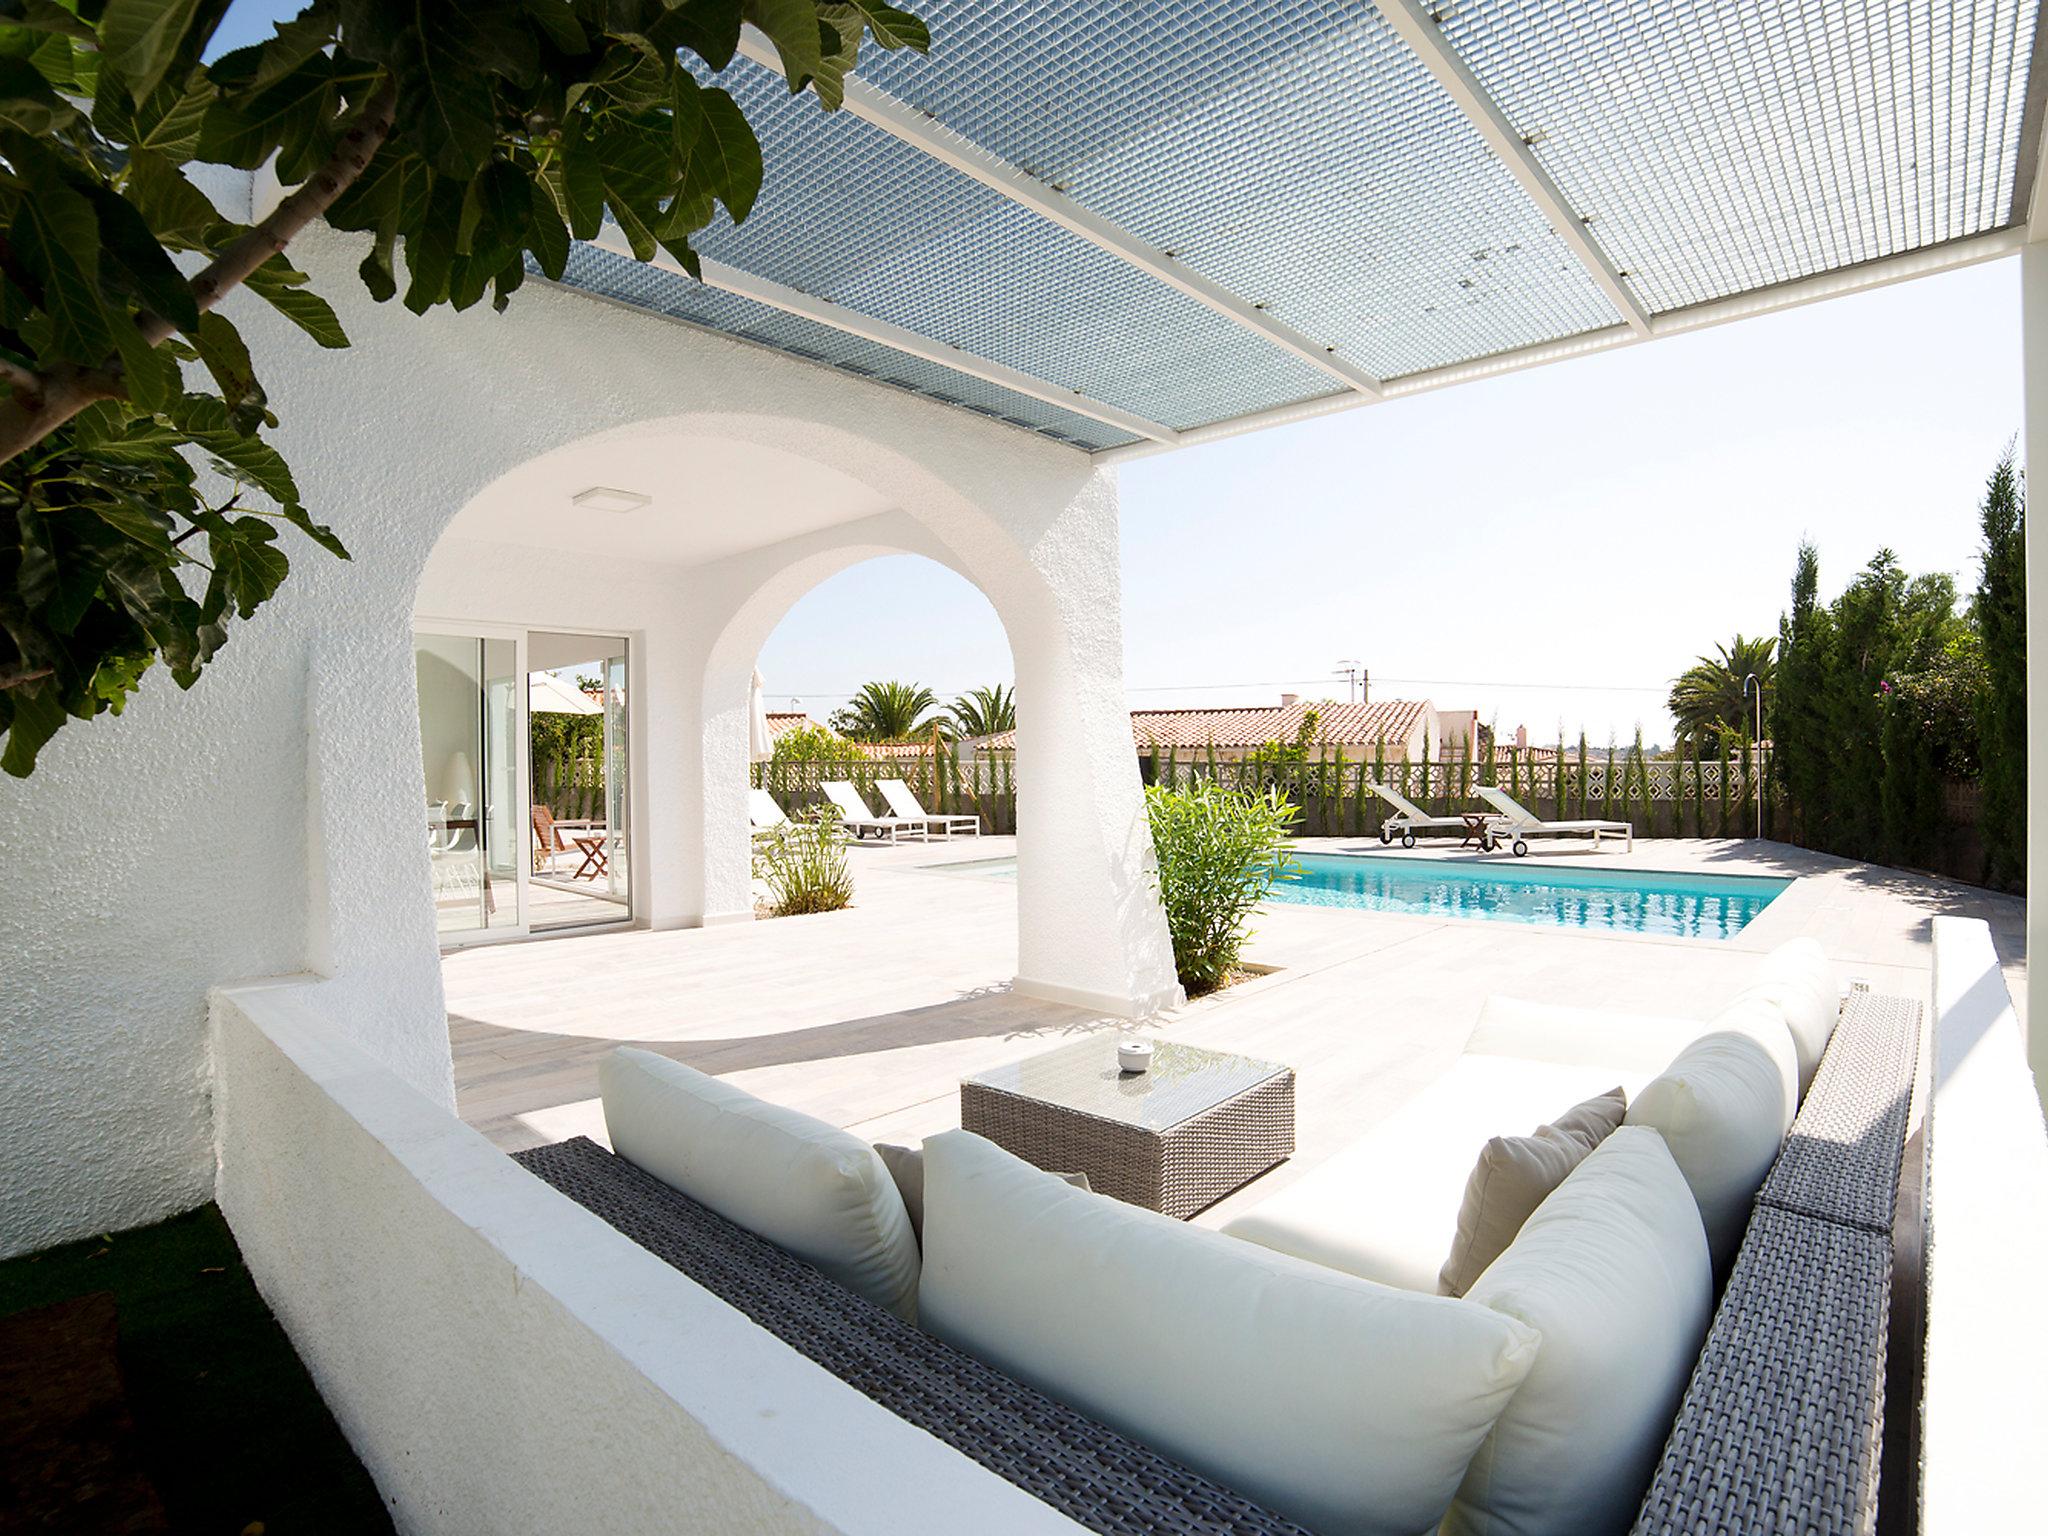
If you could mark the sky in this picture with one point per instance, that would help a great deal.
(1550, 546)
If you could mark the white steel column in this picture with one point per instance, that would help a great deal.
(2034, 355)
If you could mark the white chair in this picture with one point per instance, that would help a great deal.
(1518, 822)
(1410, 818)
(861, 822)
(906, 806)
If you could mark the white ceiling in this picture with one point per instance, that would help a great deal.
(711, 498)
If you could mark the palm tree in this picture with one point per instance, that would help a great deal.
(886, 712)
(1707, 699)
(985, 711)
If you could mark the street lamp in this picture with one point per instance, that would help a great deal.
(1756, 749)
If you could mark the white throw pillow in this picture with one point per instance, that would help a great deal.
(1348, 1406)
(806, 1186)
(1720, 1107)
(1613, 1271)
(1801, 980)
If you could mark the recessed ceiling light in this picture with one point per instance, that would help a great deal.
(609, 498)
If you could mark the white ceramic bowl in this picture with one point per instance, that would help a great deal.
(1134, 1055)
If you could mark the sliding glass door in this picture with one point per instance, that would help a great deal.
(580, 720)
(524, 741)
(469, 750)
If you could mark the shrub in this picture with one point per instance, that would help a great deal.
(1220, 850)
(803, 864)
(810, 744)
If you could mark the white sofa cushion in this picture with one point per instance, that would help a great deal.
(1800, 979)
(1764, 1022)
(1613, 1271)
(1568, 1035)
(1344, 1405)
(1721, 1108)
(804, 1185)
(1386, 1207)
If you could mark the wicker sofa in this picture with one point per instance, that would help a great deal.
(1779, 1429)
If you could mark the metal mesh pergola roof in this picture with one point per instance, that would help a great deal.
(1115, 224)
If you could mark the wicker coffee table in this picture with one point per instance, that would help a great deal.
(1175, 1139)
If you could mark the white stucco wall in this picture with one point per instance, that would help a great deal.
(2034, 455)
(1984, 1405)
(268, 821)
(502, 1360)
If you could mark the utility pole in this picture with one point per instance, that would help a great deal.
(1354, 675)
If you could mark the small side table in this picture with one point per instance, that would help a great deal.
(1175, 1139)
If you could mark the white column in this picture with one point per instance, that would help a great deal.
(1089, 927)
(2034, 444)
(370, 917)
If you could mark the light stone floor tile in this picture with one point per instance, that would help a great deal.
(870, 1017)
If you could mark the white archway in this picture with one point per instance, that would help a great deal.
(1038, 541)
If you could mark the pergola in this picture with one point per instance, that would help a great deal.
(1128, 228)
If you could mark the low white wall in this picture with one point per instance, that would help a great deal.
(1984, 1407)
(501, 1359)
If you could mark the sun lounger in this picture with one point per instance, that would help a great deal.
(1518, 823)
(862, 823)
(764, 813)
(1409, 818)
(904, 804)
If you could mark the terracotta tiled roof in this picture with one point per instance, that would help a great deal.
(1353, 726)
(789, 720)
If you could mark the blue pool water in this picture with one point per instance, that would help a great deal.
(1631, 901)
(1628, 901)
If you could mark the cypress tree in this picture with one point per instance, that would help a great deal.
(2000, 611)
(1910, 794)
(1799, 737)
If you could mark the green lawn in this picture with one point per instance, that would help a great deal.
(231, 1430)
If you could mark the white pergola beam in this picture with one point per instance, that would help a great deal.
(793, 301)
(1418, 29)
(1740, 306)
(926, 134)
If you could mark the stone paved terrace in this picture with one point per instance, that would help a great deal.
(869, 1017)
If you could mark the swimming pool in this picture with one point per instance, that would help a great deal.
(1630, 901)
(1688, 906)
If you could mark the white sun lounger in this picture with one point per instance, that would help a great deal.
(1518, 822)
(907, 807)
(1409, 818)
(861, 822)
(763, 812)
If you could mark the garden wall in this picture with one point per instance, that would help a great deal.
(1662, 797)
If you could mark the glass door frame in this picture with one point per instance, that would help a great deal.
(522, 818)
(636, 885)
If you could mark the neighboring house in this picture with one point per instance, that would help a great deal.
(782, 722)
(1405, 729)
(1460, 731)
